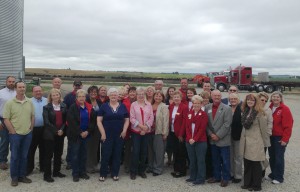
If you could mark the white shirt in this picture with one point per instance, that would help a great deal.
(173, 117)
(5, 95)
(190, 105)
(274, 109)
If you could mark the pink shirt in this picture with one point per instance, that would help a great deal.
(136, 116)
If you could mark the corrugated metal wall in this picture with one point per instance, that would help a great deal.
(11, 39)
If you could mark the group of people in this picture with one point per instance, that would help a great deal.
(212, 136)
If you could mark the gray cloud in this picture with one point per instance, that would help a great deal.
(163, 36)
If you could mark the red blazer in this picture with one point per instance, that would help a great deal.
(127, 104)
(180, 119)
(201, 121)
(184, 99)
(282, 122)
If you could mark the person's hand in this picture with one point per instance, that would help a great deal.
(142, 133)
(165, 137)
(123, 134)
(282, 143)
(60, 132)
(84, 134)
(214, 137)
(103, 137)
(144, 128)
(12, 132)
(180, 139)
(191, 141)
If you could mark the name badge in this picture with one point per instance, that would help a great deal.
(209, 111)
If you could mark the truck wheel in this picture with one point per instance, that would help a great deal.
(221, 87)
(259, 88)
(269, 89)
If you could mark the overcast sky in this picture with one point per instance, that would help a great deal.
(194, 36)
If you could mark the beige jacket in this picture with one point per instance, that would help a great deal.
(252, 141)
(269, 118)
(162, 120)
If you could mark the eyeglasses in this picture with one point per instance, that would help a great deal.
(232, 90)
(263, 100)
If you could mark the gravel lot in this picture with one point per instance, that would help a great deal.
(166, 182)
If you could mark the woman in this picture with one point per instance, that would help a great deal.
(93, 144)
(141, 119)
(252, 142)
(206, 97)
(177, 120)
(169, 95)
(112, 121)
(127, 141)
(236, 130)
(169, 147)
(281, 133)
(263, 96)
(190, 93)
(161, 129)
(149, 93)
(196, 141)
(54, 114)
(81, 123)
(102, 94)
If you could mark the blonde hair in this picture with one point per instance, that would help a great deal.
(234, 95)
(205, 95)
(177, 93)
(263, 94)
(54, 90)
(80, 92)
(197, 98)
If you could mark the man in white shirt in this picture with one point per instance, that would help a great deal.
(6, 94)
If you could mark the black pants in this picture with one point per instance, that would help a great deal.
(37, 141)
(208, 161)
(53, 148)
(252, 174)
(180, 154)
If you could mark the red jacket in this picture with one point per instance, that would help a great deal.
(184, 99)
(127, 104)
(200, 120)
(282, 122)
(180, 119)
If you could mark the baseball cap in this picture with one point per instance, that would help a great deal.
(77, 83)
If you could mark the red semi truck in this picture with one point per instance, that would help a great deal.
(242, 77)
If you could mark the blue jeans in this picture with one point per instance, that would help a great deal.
(19, 147)
(111, 150)
(78, 157)
(276, 153)
(197, 153)
(4, 143)
(221, 162)
(139, 153)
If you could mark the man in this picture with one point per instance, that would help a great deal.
(38, 102)
(56, 83)
(6, 94)
(19, 120)
(206, 87)
(158, 85)
(218, 130)
(232, 89)
(183, 89)
(69, 99)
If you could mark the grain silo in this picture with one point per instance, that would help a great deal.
(12, 61)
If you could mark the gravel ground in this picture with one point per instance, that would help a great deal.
(166, 182)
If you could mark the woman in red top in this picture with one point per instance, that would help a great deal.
(177, 119)
(196, 141)
(281, 133)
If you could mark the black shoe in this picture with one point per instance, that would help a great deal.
(68, 167)
(143, 175)
(236, 180)
(245, 187)
(132, 176)
(14, 183)
(256, 188)
(177, 175)
(190, 180)
(155, 174)
(84, 176)
(59, 174)
(75, 178)
(49, 179)
(148, 171)
(25, 180)
(198, 182)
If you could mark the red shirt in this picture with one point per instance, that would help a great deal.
(215, 109)
(282, 122)
(59, 119)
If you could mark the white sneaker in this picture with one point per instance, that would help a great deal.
(268, 178)
(275, 182)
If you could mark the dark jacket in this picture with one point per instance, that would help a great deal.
(50, 120)
(236, 125)
(73, 120)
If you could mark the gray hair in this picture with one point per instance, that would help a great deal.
(277, 93)
(158, 82)
(112, 90)
(197, 98)
(140, 89)
(81, 91)
(234, 95)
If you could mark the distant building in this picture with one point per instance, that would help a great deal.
(12, 61)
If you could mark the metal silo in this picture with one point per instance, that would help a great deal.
(11, 39)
